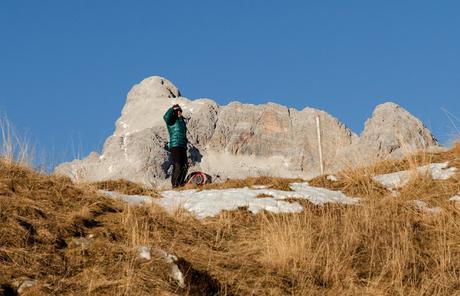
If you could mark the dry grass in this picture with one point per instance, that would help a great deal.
(263, 195)
(13, 147)
(358, 181)
(383, 246)
(125, 187)
(272, 182)
(76, 242)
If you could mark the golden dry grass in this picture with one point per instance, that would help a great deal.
(383, 246)
(271, 182)
(76, 242)
(358, 181)
(14, 147)
(124, 186)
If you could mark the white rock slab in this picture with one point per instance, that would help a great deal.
(176, 274)
(144, 253)
(438, 171)
(208, 203)
(259, 187)
(423, 206)
(332, 178)
(26, 284)
(455, 198)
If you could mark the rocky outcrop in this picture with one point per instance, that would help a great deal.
(390, 133)
(239, 140)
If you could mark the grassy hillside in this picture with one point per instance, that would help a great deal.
(74, 241)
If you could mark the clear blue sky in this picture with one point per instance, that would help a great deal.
(66, 66)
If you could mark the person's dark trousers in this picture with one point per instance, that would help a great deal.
(179, 158)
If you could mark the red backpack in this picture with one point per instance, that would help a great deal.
(198, 178)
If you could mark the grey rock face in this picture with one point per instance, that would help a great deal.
(240, 140)
(390, 133)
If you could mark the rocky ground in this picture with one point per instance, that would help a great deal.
(58, 237)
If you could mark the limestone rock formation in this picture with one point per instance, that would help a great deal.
(239, 140)
(390, 133)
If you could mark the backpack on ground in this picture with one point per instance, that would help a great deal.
(198, 178)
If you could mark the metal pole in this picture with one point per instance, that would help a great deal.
(320, 149)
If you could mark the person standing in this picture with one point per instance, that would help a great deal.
(177, 130)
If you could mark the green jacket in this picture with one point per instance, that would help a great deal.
(176, 128)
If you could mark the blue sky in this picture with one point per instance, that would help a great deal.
(66, 66)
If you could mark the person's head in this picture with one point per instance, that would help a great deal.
(178, 110)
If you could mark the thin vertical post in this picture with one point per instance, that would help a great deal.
(320, 148)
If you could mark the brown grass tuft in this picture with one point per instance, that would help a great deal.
(125, 187)
(272, 182)
(263, 195)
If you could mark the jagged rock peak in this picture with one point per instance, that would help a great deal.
(154, 87)
(390, 133)
(396, 122)
(391, 111)
(386, 106)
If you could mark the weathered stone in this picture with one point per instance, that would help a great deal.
(25, 285)
(239, 140)
(390, 133)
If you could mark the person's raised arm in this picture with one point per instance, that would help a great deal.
(169, 116)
